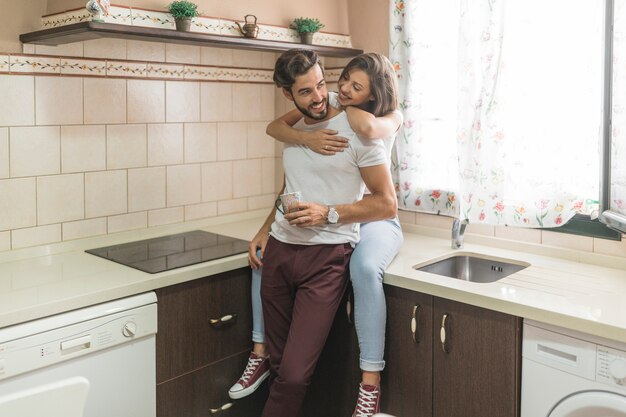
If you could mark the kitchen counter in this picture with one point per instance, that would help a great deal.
(576, 290)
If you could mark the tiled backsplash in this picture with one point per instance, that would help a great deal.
(111, 135)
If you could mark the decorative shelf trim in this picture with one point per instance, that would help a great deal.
(150, 25)
(86, 67)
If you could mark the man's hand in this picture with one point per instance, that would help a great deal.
(306, 214)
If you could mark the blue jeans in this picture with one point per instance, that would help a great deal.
(379, 244)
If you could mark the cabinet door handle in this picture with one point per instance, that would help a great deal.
(223, 321)
(222, 408)
(349, 308)
(414, 324)
(443, 333)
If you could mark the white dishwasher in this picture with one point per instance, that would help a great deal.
(112, 345)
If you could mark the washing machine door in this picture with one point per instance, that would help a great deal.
(591, 403)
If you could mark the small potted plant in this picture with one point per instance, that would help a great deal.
(183, 11)
(306, 27)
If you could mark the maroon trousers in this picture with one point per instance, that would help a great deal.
(301, 289)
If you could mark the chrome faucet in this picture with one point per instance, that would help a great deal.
(458, 230)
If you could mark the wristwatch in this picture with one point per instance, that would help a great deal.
(332, 217)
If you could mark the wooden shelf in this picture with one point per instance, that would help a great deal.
(93, 30)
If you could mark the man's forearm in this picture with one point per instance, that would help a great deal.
(372, 207)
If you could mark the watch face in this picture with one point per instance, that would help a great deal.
(333, 216)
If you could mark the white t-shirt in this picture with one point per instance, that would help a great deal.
(329, 180)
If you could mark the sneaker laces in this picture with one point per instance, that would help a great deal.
(366, 403)
(251, 367)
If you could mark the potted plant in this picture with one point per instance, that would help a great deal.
(306, 27)
(183, 11)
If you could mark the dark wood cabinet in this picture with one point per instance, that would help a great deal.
(203, 342)
(475, 370)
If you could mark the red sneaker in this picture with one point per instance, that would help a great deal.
(368, 402)
(256, 371)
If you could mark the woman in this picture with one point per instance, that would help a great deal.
(368, 93)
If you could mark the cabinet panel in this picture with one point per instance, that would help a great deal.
(197, 393)
(480, 373)
(186, 340)
(407, 379)
(334, 386)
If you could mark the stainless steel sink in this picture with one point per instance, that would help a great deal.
(472, 267)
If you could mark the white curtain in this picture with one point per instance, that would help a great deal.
(501, 121)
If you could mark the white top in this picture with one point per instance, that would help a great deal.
(326, 179)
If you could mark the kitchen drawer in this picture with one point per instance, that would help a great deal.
(204, 392)
(186, 338)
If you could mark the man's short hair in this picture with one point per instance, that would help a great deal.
(293, 63)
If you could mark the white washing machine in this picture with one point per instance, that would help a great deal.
(571, 374)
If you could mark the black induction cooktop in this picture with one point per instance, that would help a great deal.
(173, 251)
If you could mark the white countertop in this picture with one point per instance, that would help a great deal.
(571, 289)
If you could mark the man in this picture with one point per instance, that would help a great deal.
(306, 257)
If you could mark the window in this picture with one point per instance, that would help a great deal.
(517, 101)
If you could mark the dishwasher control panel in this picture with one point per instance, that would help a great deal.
(57, 345)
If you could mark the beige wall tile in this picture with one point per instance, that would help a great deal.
(131, 221)
(182, 101)
(216, 102)
(268, 176)
(4, 152)
(217, 181)
(146, 188)
(186, 54)
(83, 148)
(200, 142)
(127, 146)
(407, 217)
(566, 240)
(232, 140)
(268, 60)
(35, 151)
(521, 234)
(34, 236)
(268, 93)
(260, 145)
(247, 59)
(18, 204)
(232, 206)
(247, 175)
(5, 241)
(68, 49)
(165, 144)
(480, 229)
(17, 101)
(280, 174)
(146, 101)
(261, 202)
(84, 228)
(216, 56)
(60, 198)
(200, 211)
(247, 102)
(48, 91)
(432, 220)
(166, 216)
(105, 100)
(184, 185)
(610, 247)
(105, 48)
(105, 193)
(145, 51)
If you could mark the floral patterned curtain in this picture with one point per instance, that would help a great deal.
(482, 169)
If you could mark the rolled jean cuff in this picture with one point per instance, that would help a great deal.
(258, 337)
(371, 366)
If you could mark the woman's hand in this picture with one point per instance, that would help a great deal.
(325, 141)
(305, 214)
(258, 242)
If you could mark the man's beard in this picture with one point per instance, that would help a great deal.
(315, 116)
